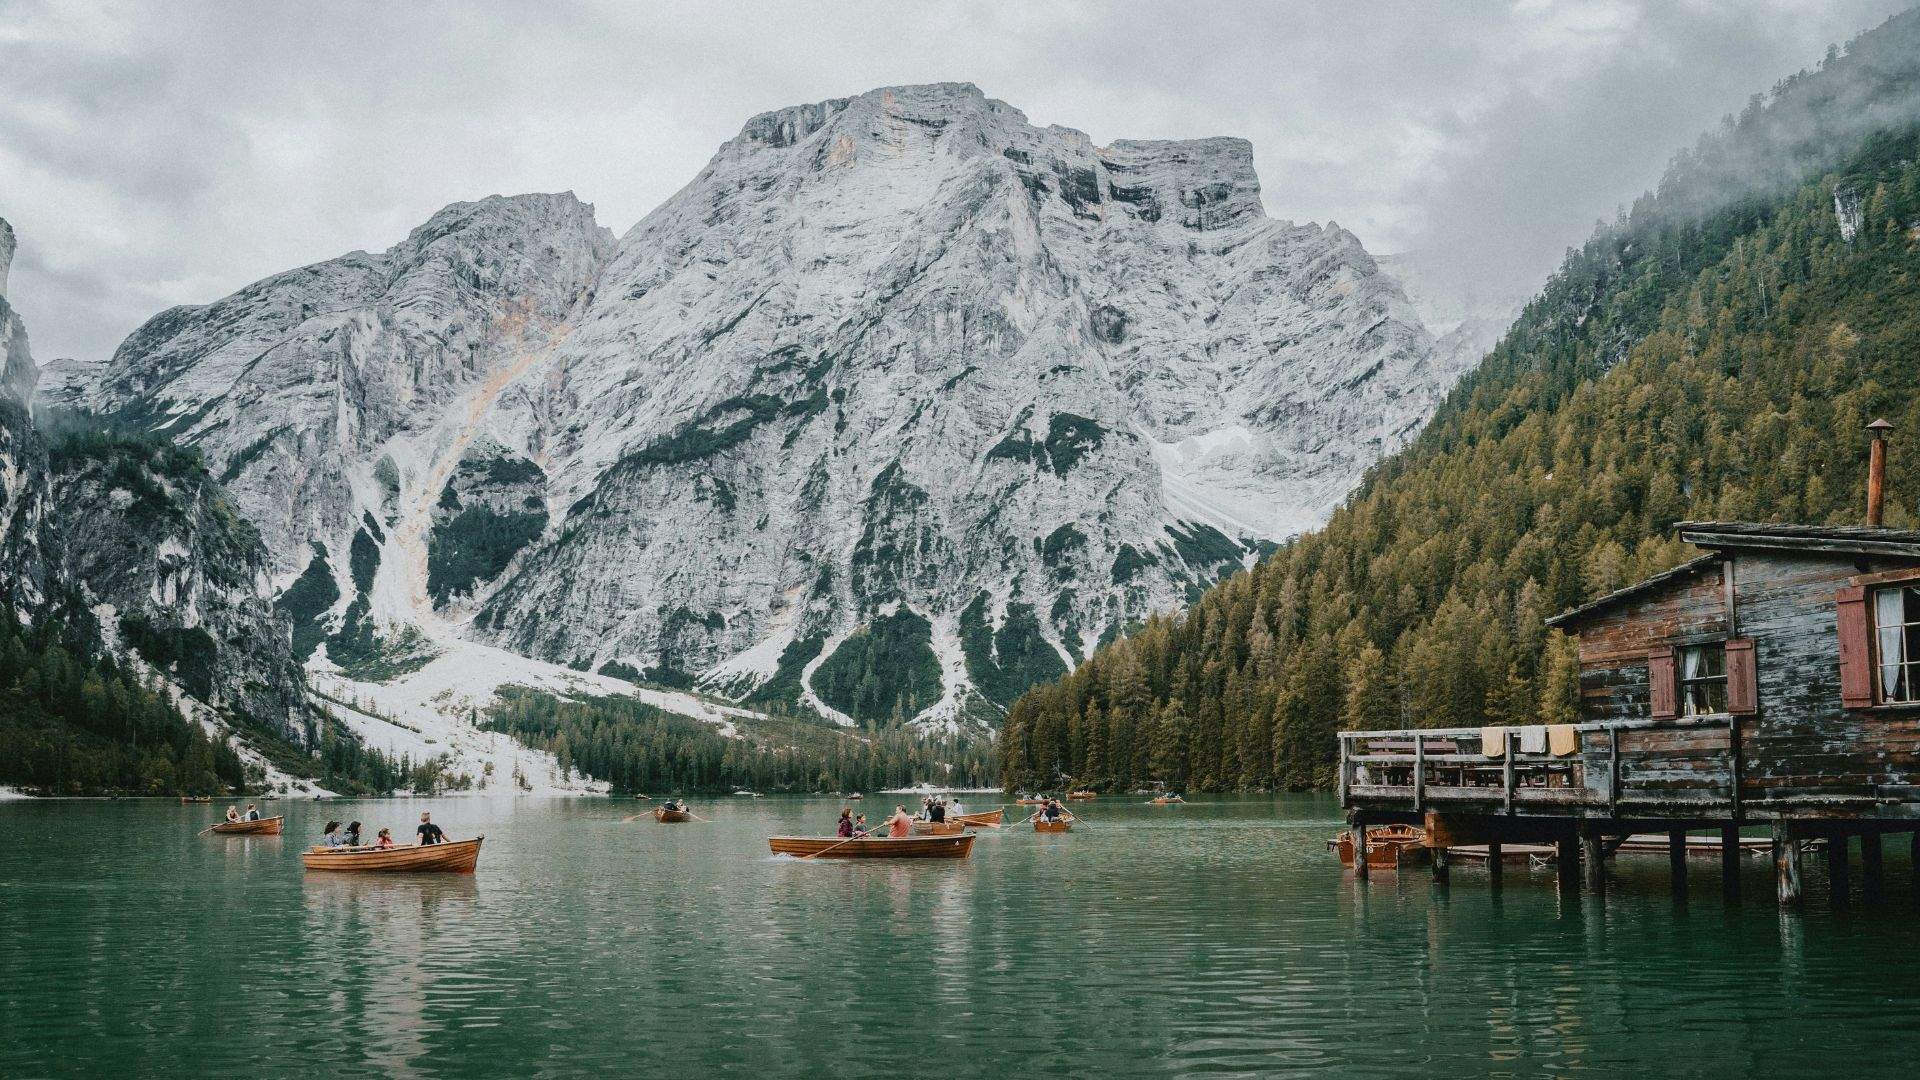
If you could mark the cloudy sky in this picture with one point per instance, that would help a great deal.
(164, 153)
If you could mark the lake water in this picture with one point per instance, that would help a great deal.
(1217, 938)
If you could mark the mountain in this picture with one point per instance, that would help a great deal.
(139, 647)
(1714, 354)
(902, 404)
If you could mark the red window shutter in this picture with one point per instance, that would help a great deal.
(1856, 651)
(1743, 678)
(1662, 692)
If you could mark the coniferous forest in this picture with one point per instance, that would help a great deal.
(1713, 354)
(638, 748)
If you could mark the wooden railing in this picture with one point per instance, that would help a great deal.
(1647, 767)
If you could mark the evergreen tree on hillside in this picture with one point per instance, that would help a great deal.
(1713, 354)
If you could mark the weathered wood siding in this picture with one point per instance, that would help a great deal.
(1802, 742)
(1614, 644)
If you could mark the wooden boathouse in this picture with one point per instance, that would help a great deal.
(1774, 680)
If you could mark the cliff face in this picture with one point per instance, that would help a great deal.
(900, 404)
(133, 540)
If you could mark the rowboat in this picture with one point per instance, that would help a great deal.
(1389, 847)
(196, 798)
(1025, 801)
(266, 826)
(938, 828)
(667, 817)
(1083, 794)
(957, 846)
(981, 821)
(452, 857)
(1043, 825)
(1167, 800)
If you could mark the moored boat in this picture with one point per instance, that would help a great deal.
(981, 821)
(1043, 825)
(451, 857)
(667, 817)
(938, 828)
(956, 846)
(266, 826)
(1389, 847)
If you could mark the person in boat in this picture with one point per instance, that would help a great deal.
(937, 811)
(1051, 811)
(353, 835)
(253, 812)
(845, 829)
(331, 835)
(899, 824)
(955, 809)
(859, 824)
(429, 832)
(384, 840)
(233, 813)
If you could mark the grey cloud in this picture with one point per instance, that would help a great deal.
(153, 154)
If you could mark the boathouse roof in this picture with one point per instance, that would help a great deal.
(1836, 539)
(1723, 536)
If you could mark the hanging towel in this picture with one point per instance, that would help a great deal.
(1533, 739)
(1562, 740)
(1493, 741)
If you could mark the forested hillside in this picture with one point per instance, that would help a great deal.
(638, 748)
(1715, 353)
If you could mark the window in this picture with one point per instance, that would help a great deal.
(1703, 679)
(1896, 624)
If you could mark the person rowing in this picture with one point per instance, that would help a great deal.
(899, 825)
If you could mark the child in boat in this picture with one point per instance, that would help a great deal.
(860, 825)
(845, 828)
(384, 840)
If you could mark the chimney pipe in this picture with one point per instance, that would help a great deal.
(1877, 472)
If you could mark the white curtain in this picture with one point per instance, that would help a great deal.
(1887, 619)
(1693, 663)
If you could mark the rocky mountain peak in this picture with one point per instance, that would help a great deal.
(901, 404)
(7, 246)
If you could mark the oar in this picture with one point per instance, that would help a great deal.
(830, 847)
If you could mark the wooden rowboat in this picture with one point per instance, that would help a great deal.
(1389, 847)
(938, 828)
(1166, 800)
(957, 846)
(266, 826)
(1042, 825)
(1083, 794)
(452, 857)
(1024, 801)
(667, 817)
(981, 821)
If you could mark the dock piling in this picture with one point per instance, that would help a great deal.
(1730, 861)
(1871, 874)
(1494, 862)
(1837, 880)
(1677, 862)
(1786, 864)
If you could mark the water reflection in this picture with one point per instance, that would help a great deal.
(1223, 940)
